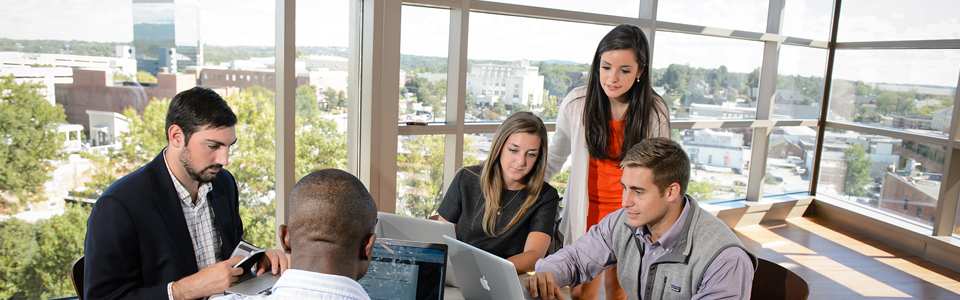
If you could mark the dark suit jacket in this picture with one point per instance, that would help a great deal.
(137, 237)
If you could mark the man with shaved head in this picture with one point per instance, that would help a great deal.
(329, 237)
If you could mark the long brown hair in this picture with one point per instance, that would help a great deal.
(491, 178)
(643, 100)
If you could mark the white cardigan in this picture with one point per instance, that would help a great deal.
(568, 140)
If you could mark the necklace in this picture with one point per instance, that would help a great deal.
(508, 202)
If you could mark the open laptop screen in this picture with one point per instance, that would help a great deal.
(406, 270)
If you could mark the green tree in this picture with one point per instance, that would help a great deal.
(61, 243)
(146, 134)
(145, 77)
(559, 181)
(499, 108)
(857, 173)
(18, 253)
(28, 140)
(520, 107)
(34, 258)
(471, 101)
(319, 145)
(702, 191)
(118, 76)
(306, 97)
(423, 176)
(550, 108)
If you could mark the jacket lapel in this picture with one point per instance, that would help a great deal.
(168, 203)
(221, 209)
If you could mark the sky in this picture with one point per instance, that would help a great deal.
(424, 31)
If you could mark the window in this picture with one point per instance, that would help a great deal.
(751, 14)
(800, 83)
(423, 49)
(879, 172)
(911, 90)
(525, 61)
(705, 77)
(865, 20)
(789, 160)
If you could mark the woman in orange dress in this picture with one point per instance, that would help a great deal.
(597, 124)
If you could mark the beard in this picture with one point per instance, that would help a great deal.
(197, 175)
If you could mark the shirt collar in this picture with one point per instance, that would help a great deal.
(318, 282)
(182, 191)
(669, 238)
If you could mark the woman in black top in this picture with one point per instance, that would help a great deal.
(503, 205)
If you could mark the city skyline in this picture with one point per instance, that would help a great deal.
(251, 23)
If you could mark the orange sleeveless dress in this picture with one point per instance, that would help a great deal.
(603, 180)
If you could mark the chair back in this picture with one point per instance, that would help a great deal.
(773, 281)
(76, 275)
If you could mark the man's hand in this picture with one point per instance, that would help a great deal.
(542, 285)
(211, 280)
(274, 260)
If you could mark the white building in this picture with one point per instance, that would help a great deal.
(719, 149)
(50, 69)
(941, 119)
(518, 83)
(105, 127)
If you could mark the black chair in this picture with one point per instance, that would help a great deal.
(76, 275)
(773, 281)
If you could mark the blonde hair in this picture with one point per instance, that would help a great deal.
(491, 178)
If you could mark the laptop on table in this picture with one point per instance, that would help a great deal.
(482, 275)
(406, 270)
(393, 226)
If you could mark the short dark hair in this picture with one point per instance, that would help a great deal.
(196, 107)
(665, 159)
(331, 210)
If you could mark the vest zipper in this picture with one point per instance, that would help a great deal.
(663, 290)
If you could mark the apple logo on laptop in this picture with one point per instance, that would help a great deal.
(483, 282)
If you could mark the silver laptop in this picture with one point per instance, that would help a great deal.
(393, 226)
(482, 275)
(260, 285)
(405, 270)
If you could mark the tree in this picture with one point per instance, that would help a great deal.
(471, 101)
(34, 257)
(550, 108)
(146, 77)
(520, 107)
(306, 98)
(330, 95)
(559, 181)
(422, 176)
(857, 173)
(556, 81)
(28, 140)
(702, 191)
(146, 134)
(499, 108)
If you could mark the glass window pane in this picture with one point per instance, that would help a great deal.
(748, 15)
(323, 78)
(511, 70)
(706, 77)
(800, 83)
(898, 177)
(789, 160)
(624, 8)
(809, 19)
(424, 43)
(905, 89)
(419, 175)
(891, 20)
(719, 159)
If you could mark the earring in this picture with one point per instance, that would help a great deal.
(638, 79)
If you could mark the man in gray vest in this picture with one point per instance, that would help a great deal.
(665, 245)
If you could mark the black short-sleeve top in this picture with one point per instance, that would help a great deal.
(463, 204)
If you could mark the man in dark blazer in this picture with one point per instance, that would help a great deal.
(166, 230)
